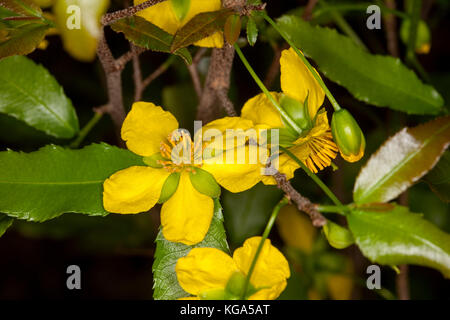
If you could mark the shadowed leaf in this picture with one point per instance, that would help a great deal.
(22, 7)
(378, 80)
(201, 26)
(401, 161)
(145, 34)
(439, 178)
(5, 223)
(400, 237)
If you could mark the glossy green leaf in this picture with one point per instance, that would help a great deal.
(439, 178)
(401, 161)
(42, 185)
(400, 237)
(29, 93)
(378, 80)
(5, 223)
(145, 34)
(246, 213)
(199, 27)
(167, 253)
(252, 31)
(20, 36)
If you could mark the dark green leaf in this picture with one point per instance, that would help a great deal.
(167, 253)
(145, 34)
(401, 161)
(5, 223)
(44, 184)
(439, 178)
(29, 93)
(199, 27)
(246, 213)
(22, 7)
(252, 31)
(378, 80)
(400, 237)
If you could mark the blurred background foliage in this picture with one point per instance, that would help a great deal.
(116, 253)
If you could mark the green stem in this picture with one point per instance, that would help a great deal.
(344, 26)
(330, 209)
(333, 101)
(265, 234)
(416, 6)
(258, 81)
(86, 129)
(316, 179)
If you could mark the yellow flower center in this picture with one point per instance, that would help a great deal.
(180, 152)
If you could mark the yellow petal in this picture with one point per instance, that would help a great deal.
(297, 81)
(271, 270)
(133, 190)
(187, 215)
(146, 126)
(296, 229)
(204, 269)
(261, 111)
(163, 16)
(236, 169)
(269, 294)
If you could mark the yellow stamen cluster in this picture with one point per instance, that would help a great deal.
(323, 151)
(177, 161)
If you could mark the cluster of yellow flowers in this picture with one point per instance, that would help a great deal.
(186, 187)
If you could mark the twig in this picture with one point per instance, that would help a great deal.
(402, 282)
(194, 72)
(218, 77)
(274, 68)
(112, 17)
(391, 30)
(303, 204)
(128, 56)
(307, 14)
(137, 74)
(155, 74)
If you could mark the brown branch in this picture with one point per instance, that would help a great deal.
(307, 14)
(391, 30)
(194, 72)
(402, 283)
(128, 56)
(137, 74)
(112, 17)
(303, 204)
(274, 68)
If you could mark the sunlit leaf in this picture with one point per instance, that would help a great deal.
(42, 185)
(378, 80)
(400, 237)
(401, 161)
(145, 34)
(167, 253)
(201, 26)
(5, 223)
(29, 93)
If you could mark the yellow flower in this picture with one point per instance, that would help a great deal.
(175, 178)
(164, 16)
(302, 98)
(209, 273)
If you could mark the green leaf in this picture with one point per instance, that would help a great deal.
(439, 178)
(20, 36)
(29, 93)
(145, 34)
(378, 80)
(199, 27)
(400, 237)
(42, 185)
(252, 31)
(166, 286)
(5, 223)
(401, 161)
(246, 213)
(181, 8)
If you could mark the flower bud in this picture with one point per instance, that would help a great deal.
(297, 111)
(169, 187)
(232, 29)
(181, 8)
(338, 237)
(423, 37)
(235, 284)
(205, 183)
(348, 135)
